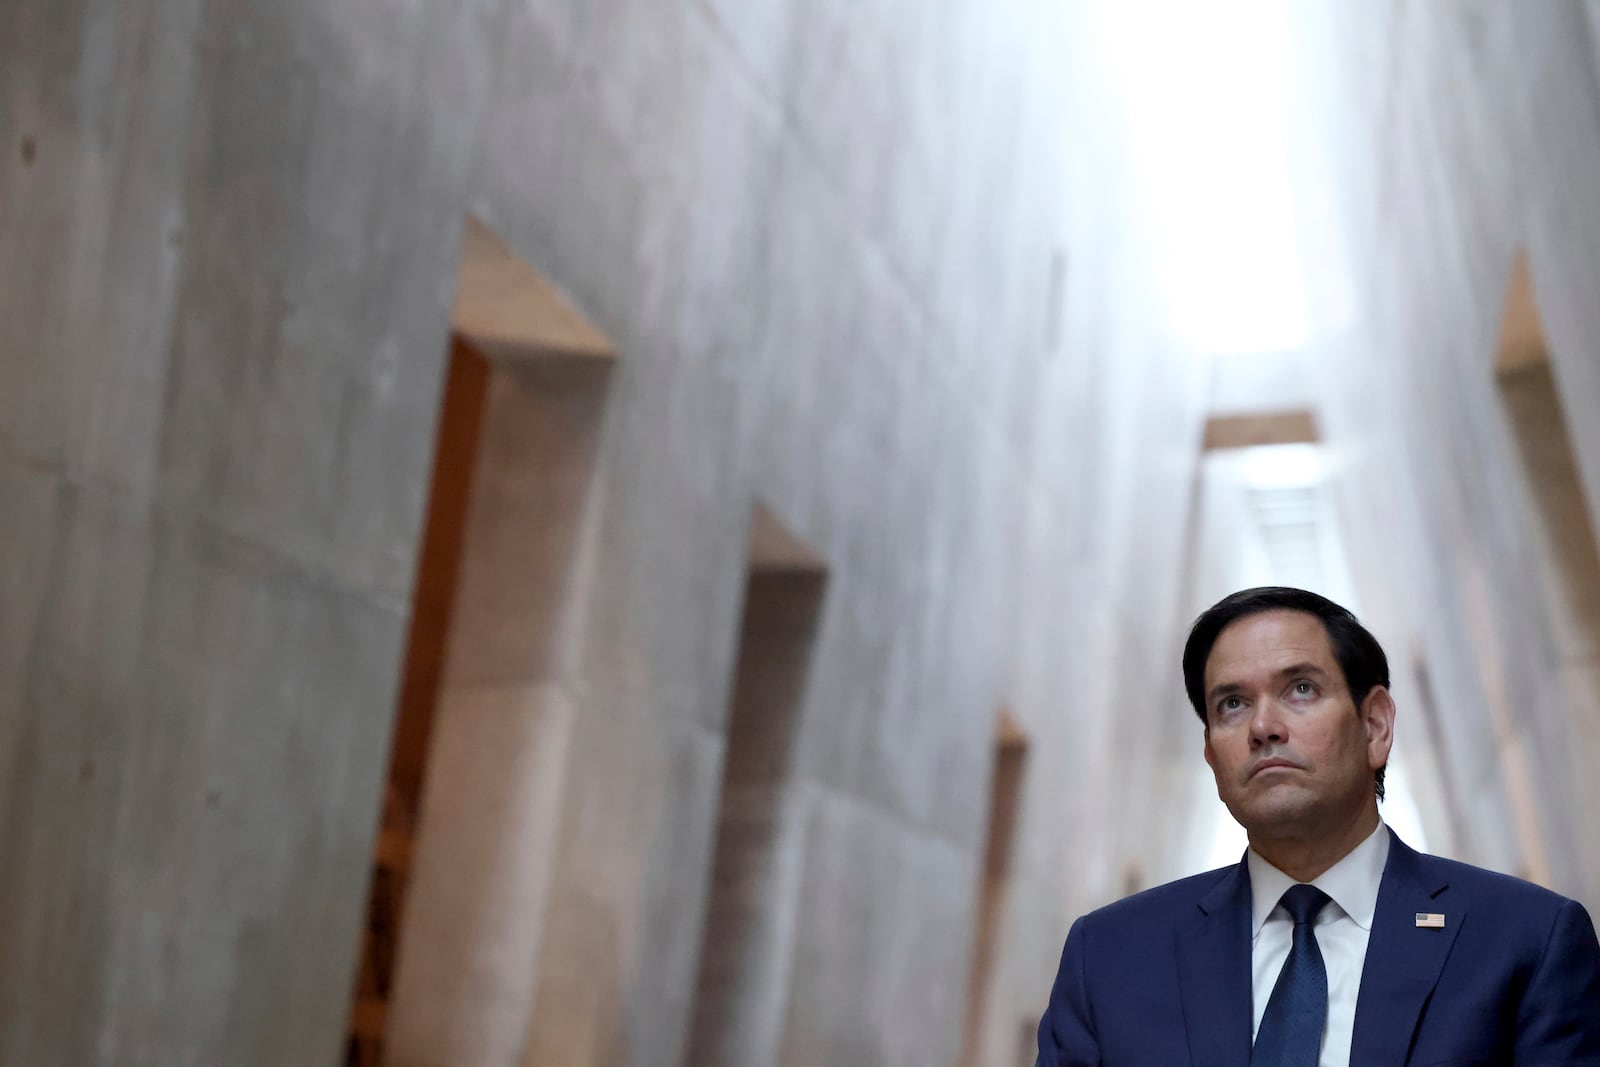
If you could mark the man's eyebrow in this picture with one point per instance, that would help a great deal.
(1302, 668)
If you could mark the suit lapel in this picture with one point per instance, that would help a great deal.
(1214, 973)
(1403, 960)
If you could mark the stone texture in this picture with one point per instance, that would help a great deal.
(1462, 161)
(476, 901)
(881, 267)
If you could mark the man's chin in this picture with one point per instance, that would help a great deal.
(1272, 810)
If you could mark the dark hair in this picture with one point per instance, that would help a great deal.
(1360, 657)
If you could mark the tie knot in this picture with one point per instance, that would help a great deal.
(1303, 902)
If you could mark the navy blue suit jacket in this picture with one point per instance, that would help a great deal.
(1164, 977)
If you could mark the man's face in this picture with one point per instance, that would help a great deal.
(1292, 754)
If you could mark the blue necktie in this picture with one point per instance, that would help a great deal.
(1290, 1034)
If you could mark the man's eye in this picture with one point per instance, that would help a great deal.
(1304, 689)
(1231, 704)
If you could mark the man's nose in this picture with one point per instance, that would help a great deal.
(1267, 723)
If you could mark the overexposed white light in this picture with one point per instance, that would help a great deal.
(1400, 809)
(1282, 466)
(1228, 840)
(1206, 88)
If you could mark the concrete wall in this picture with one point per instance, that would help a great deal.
(879, 268)
(1463, 135)
(863, 264)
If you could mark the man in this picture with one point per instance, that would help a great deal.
(1331, 942)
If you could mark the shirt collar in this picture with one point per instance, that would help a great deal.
(1352, 883)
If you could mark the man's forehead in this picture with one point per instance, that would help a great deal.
(1269, 641)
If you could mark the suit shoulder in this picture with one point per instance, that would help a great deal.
(1163, 902)
(1494, 889)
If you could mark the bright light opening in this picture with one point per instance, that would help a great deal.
(1282, 466)
(1208, 95)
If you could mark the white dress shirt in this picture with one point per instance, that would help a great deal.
(1342, 930)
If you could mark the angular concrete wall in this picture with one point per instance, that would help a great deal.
(862, 263)
(1467, 136)
(226, 241)
(879, 266)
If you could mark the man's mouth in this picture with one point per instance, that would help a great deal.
(1269, 764)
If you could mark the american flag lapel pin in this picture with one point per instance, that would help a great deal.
(1429, 921)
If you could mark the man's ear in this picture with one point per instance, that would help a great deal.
(1211, 761)
(1377, 711)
